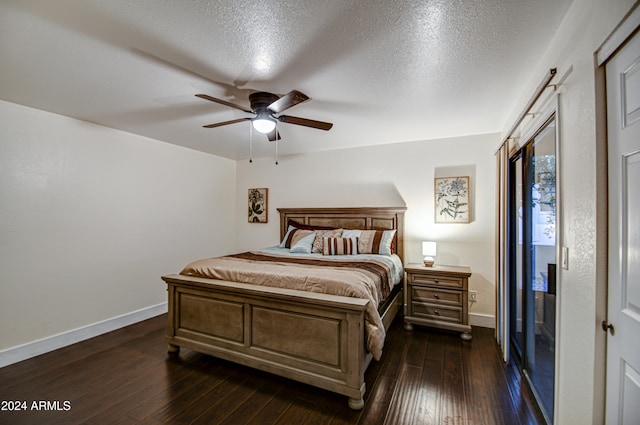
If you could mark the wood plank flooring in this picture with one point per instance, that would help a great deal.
(127, 377)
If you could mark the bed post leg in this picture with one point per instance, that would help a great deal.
(173, 348)
(356, 404)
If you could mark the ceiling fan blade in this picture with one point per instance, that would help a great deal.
(226, 123)
(223, 102)
(320, 125)
(287, 101)
(274, 135)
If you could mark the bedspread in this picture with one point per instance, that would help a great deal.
(367, 279)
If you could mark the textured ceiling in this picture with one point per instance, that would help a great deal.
(381, 71)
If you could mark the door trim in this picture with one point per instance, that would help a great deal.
(619, 36)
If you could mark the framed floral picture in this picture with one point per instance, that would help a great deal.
(452, 199)
(258, 206)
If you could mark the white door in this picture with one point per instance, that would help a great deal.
(623, 341)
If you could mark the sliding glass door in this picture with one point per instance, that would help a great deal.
(517, 289)
(532, 262)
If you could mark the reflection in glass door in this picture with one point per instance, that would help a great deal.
(532, 263)
(517, 294)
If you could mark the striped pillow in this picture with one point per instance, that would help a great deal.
(303, 245)
(339, 246)
(376, 242)
(294, 235)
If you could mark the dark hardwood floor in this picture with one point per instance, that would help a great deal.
(127, 377)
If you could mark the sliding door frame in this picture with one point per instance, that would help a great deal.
(524, 150)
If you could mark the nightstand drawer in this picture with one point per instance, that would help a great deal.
(436, 296)
(431, 280)
(427, 311)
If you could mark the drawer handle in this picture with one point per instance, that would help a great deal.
(436, 312)
(436, 296)
(436, 280)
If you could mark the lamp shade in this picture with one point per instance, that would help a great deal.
(429, 249)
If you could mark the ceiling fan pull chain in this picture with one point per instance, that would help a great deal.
(277, 134)
(250, 143)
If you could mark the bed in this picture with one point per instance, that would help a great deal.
(315, 338)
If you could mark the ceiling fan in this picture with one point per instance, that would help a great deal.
(265, 106)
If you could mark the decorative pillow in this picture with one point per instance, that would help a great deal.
(351, 233)
(294, 236)
(286, 237)
(376, 241)
(320, 235)
(303, 245)
(294, 225)
(339, 246)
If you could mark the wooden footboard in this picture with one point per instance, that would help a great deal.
(313, 338)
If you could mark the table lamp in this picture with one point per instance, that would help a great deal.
(429, 251)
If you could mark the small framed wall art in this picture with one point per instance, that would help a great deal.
(258, 205)
(452, 199)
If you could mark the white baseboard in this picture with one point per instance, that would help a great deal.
(482, 320)
(31, 349)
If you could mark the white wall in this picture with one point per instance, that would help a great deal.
(388, 175)
(91, 217)
(581, 300)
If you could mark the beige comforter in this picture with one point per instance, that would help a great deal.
(366, 279)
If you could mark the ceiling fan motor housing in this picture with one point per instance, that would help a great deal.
(261, 100)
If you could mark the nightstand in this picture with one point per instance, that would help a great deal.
(437, 297)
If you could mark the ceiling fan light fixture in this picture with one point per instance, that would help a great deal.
(264, 125)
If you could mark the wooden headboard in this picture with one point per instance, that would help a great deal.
(368, 218)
